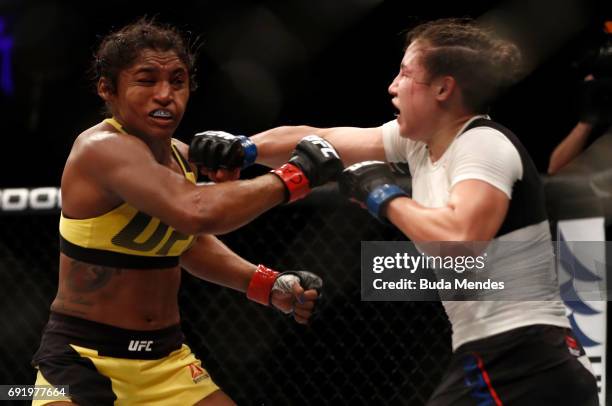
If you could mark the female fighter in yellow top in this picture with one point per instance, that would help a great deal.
(132, 216)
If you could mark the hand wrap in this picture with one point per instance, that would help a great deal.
(265, 280)
(370, 183)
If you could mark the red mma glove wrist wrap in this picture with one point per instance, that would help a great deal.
(296, 183)
(261, 285)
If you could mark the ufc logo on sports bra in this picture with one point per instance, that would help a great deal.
(140, 345)
(326, 148)
(126, 238)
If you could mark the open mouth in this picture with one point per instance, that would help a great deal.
(397, 110)
(161, 114)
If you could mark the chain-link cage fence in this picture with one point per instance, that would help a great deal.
(353, 352)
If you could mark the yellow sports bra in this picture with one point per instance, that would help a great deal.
(125, 237)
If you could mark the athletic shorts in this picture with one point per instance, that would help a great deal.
(537, 365)
(106, 365)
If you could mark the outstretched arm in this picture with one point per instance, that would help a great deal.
(352, 143)
(221, 156)
(124, 167)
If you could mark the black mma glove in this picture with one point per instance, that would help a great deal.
(265, 280)
(313, 163)
(218, 149)
(370, 183)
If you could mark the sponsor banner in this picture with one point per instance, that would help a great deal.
(30, 200)
(582, 264)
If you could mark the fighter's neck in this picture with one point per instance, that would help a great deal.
(444, 135)
(161, 148)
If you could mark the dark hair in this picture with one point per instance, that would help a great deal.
(481, 63)
(119, 49)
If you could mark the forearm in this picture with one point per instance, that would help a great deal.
(224, 207)
(292, 292)
(274, 146)
(213, 261)
(420, 223)
(570, 147)
(461, 219)
(354, 144)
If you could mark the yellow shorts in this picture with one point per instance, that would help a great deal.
(94, 379)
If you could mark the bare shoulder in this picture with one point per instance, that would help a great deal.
(101, 147)
(101, 140)
(95, 155)
(98, 155)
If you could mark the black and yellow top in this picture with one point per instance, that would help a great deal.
(125, 237)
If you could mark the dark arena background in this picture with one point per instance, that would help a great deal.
(264, 64)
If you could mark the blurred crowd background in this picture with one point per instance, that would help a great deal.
(266, 63)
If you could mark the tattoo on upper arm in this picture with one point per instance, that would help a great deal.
(86, 278)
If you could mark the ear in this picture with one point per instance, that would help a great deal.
(445, 87)
(105, 89)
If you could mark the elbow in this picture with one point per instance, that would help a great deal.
(471, 231)
(464, 244)
(189, 224)
(196, 222)
(472, 236)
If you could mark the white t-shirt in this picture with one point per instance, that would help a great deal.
(486, 154)
(480, 153)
